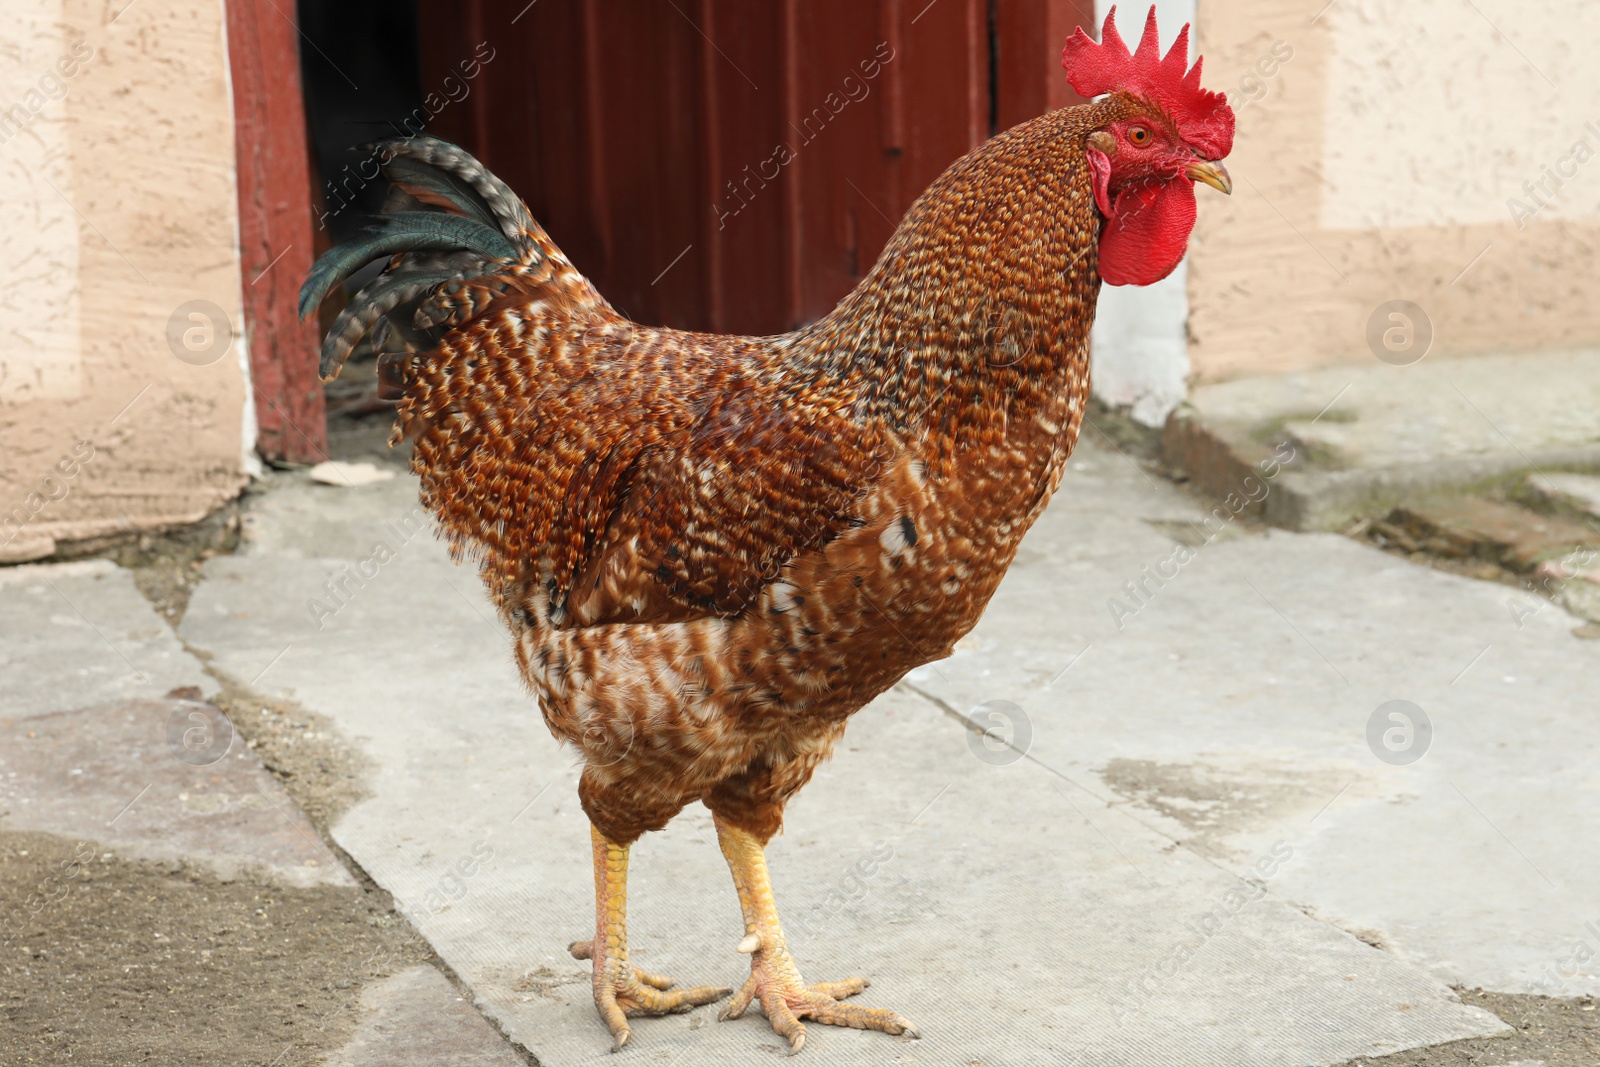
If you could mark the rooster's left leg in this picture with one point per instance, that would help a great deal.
(620, 989)
(775, 981)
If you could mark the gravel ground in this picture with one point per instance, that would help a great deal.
(113, 962)
(1549, 1033)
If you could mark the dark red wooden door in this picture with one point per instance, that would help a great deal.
(733, 165)
(275, 233)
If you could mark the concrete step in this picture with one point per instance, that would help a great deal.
(1471, 527)
(1343, 443)
(1574, 493)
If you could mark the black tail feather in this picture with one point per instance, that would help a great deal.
(506, 206)
(447, 220)
(398, 234)
(377, 300)
(438, 188)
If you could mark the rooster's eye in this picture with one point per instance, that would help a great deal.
(1139, 136)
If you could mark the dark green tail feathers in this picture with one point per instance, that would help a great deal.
(447, 220)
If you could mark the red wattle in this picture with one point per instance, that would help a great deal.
(1146, 232)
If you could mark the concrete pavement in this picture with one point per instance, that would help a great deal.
(1236, 700)
(1200, 859)
(1190, 793)
(121, 775)
(75, 634)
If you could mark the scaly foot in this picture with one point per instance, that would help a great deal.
(622, 990)
(785, 998)
(775, 981)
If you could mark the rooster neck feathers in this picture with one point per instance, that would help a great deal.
(991, 278)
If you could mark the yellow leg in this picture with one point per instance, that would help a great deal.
(621, 990)
(775, 981)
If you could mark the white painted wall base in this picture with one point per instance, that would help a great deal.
(1139, 352)
(1139, 346)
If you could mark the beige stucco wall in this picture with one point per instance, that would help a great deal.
(117, 187)
(1377, 163)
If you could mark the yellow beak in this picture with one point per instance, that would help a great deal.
(1213, 174)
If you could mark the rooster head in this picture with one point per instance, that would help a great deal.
(1144, 165)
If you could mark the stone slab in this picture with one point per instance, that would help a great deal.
(417, 1019)
(76, 634)
(158, 779)
(1472, 527)
(1579, 491)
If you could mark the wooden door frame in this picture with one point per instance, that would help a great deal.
(275, 228)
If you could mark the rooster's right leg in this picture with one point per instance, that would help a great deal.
(620, 989)
(775, 981)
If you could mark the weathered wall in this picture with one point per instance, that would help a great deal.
(1376, 164)
(117, 184)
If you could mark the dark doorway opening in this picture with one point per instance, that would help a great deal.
(359, 62)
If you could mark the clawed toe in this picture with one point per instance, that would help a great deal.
(639, 998)
(839, 990)
(775, 981)
(740, 1002)
(622, 991)
(660, 981)
(785, 1003)
(584, 950)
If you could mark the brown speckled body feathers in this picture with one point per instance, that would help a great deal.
(713, 550)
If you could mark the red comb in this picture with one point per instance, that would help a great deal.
(1203, 117)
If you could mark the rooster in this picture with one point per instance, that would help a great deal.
(711, 551)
